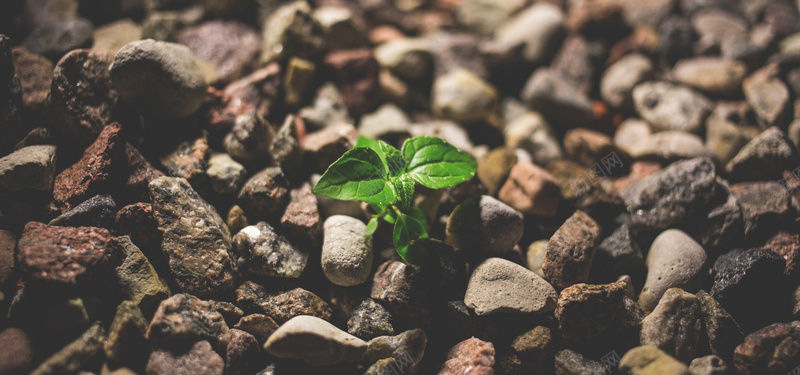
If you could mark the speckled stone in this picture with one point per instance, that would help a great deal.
(282, 306)
(301, 220)
(211, 42)
(185, 318)
(187, 160)
(200, 359)
(670, 107)
(674, 260)
(568, 362)
(369, 320)
(346, 252)
(571, 250)
(31, 167)
(259, 250)
(400, 286)
(765, 157)
(771, 350)
(584, 311)
(242, 354)
(498, 285)
(315, 341)
(675, 325)
(264, 194)
(472, 356)
(258, 325)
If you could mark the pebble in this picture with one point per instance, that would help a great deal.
(764, 205)
(463, 97)
(290, 30)
(674, 260)
(588, 147)
(472, 356)
(328, 108)
(486, 16)
(558, 100)
(765, 157)
(226, 175)
(407, 58)
(188, 160)
(714, 76)
(16, 351)
(74, 355)
(55, 38)
(250, 139)
(342, 26)
(674, 326)
(195, 238)
(570, 362)
(211, 42)
(484, 225)
(258, 325)
(200, 359)
(327, 145)
(531, 190)
(282, 306)
(242, 354)
(137, 280)
(301, 220)
(265, 193)
(722, 331)
(388, 122)
(494, 168)
(630, 133)
(97, 211)
(498, 285)
(769, 97)
(648, 359)
(407, 348)
(532, 35)
(619, 253)
(399, 286)
(315, 341)
(260, 250)
(670, 107)
(369, 320)
(532, 133)
(355, 73)
(126, 344)
(584, 311)
(769, 350)
(456, 50)
(346, 252)
(175, 88)
(618, 81)
(141, 173)
(185, 318)
(110, 38)
(708, 365)
(728, 128)
(35, 76)
(535, 256)
(529, 352)
(31, 167)
(571, 250)
(669, 146)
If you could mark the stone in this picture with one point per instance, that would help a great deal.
(137, 221)
(16, 351)
(569, 362)
(463, 97)
(407, 348)
(329, 108)
(484, 225)
(456, 50)
(588, 148)
(769, 97)
(282, 306)
(110, 38)
(619, 253)
(670, 146)
(76, 354)
(93, 172)
(535, 256)
(211, 42)
(260, 250)
(315, 341)
(571, 250)
(369, 320)
(242, 354)
(64, 255)
(532, 133)
(97, 211)
(55, 38)
(722, 331)
(531, 190)
(184, 318)
(200, 359)
(291, 30)
(629, 133)
(765, 157)
(618, 81)
(498, 285)
(674, 326)
(194, 237)
(141, 173)
(229, 311)
(250, 139)
(494, 168)
(558, 100)
(301, 220)
(225, 174)
(31, 167)
(187, 160)
(342, 26)
(770, 350)
(285, 149)
(672, 195)
(8, 242)
(258, 325)
(126, 344)
(763, 204)
(175, 87)
(355, 73)
(670, 107)
(82, 95)
(674, 260)
(35, 76)
(236, 219)
(407, 58)
(530, 353)
(714, 76)
(266, 193)
(483, 16)
(258, 90)
(137, 280)
(399, 286)
(327, 145)
(299, 75)
(388, 122)
(11, 105)
(787, 245)
(708, 365)
(472, 356)
(532, 35)
(346, 252)
(648, 359)
(584, 311)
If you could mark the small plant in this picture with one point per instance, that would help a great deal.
(383, 176)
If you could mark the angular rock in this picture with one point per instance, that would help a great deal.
(126, 344)
(484, 225)
(560, 102)
(584, 311)
(315, 341)
(400, 287)
(184, 318)
(97, 211)
(31, 167)
(764, 205)
(346, 252)
(470, 356)
(787, 245)
(769, 97)
(200, 359)
(258, 325)
(619, 253)
(327, 145)
(571, 362)
(711, 75)
(250, 139)
(669, 107)
(648, 359)
(674, 326)
(264, 194)
(531, 353)
(282, 306)
(211, 42)
(137, 279)
(722, 331)
(76, 354)
(355, 72)
(463, 97)
(369, 320)
(35, 76)
(765, 157)
(498, 285)
(328, 108)
(616, 86)
(770, 350)
(531, 190)
(728, 128)
(140, 173)
(225, 174)
(242, 354)
(301, 221)
(259, 250)
(571, 250)
(674, 260)
(137, 221)
(187, 160)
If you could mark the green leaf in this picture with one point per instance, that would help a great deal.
(372, 226)
(394, 159)
(368, 143)
(404, 186)
(408, 229)
(358, 175)
(437, 164)
(390, 216)
(417, 213)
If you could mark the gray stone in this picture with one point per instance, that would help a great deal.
(531, 132)
(669, 146)
(76, 354)
(314, 341)
(328, 108)
(407, 58)
(498, 285)
(675, 260)
(674, 326)
(55, 38)
(369, 320)
(185, 318)
(346, 252)
(31, 167)
(722, 331)
(669, 107)
(619, 253)
(291, 31)
(250, 138)
(711, 75)
(225, 174)
(387, 122)
(616, 86)
(557, 99)
(486, 16)
(462, 96)
(769, 97)
(570, 362)
(532, 35)
(648, 359)
(97, 211)
(126, 344)
(408, 346)
(708, 365)
(259, 250)
(200, 359)
(211, 43)
(630, 133)
(174, 86)
(729, 128)
(765, 157)
(484, 225)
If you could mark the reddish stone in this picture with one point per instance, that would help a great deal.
(137, 221)
(355, 72)
(571, 250)
(212, 42)
(92, 173)
(787, 245)
(16, 352)
(185, 318)
(242, 354)
(64, 255)
(258, 325)
(531, 190)
(400, 286)
(187, 160)
(584, 311)
(471, 356)
(199, 360)
(259, 90)
(282, 306)
(329, 144)
(140, 173)
(639, 171)
(221, 110)
(774, 349)
(35, 76)
(301, 221)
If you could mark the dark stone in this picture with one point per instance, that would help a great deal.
(764, 205)
(258, 325)
(76, 354)
(199, 360)
(530, 353)
(369, 320)
(137, 221)
(584, 311)
(140, 173)
(787, 245)
(16, 352)
(10, 99)
(98, 211)
(281, 306)
(619, 254)
(571, 250)
(55, 38)
(184, 318)
(722, 227)
(772, 350)
(35, 75)
(126, 344)
(264, 194)
(722, 331)
(242, 355)
(355, 72)
(677, 36)
(400, 287)
(765, 157)
(187, 160)
(406, 348)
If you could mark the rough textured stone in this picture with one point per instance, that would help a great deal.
(557, 99)
(211, 42)
(200, 359)
(250, 139)
(787, 245)
(765, 157)
(315, 341)
(327, 145)
(31, 167)
(674, 326)
(484, 225)
(471, 356)
(187, 160)
(571, 250)
(462, 96)
(531, 190)
(722, 331)
(195, 238)
(369, 320)
(16, 352)
(571, 362)
(264, 194)
(769, 97)
(242, 354)
(8, 242)
(346, 253)
(185, 318)
(674, 260)
(259, 250)
(35, 76)
(258, 325)
(138, 280)
(126, 344)
(669, 107)
(712, 75)
(400, 287)
(763, 204)
(531, 353)
(140, 173)
(225, 174)
(97, 211)
(648, 359)
(282, 306)
(55, 38)
(771, 350)
(301, 221)
(498, 285)
(708, 365)
(76, 354)
(616, 86)
(137, 221)
(728, 128)
(584, 311)
(407, 348)
(355, 72)
(619, 253)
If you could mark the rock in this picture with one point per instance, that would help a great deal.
(31, 167)
(584, 311)
(82, 96)
(787, 245)
(285, 148)
(175, 87)
(532, 35)
(126, 344)
(530, 353)
(531, 190)
(728, 128)
(11, 105)
(259, 250)
(236, 219)
(355, 73)
(258, 325)
(765, 157)
(301, 221)
(76, 354)
(230, 312)
(299, 75)
(535, 256)
(137, 221)
(669, 146)
(619, 253)
(315, 341)
(456, 50)
(484, 225)
(291, 30)
(93, 172)
(35, 76)
(406, 348)
(618, 81)
(770, 350)
(722, 331)
(211, 42)
(138, 280)
(669, 107)
(342, 26)
(200, 359)
(195, 238)
(751, 287)
(712, 75)
(483, 17)
(329, 108)
(225, 174)
(648, 359)
(55, 38)
(769, 97)
(369, 320)
(282, 306)
(97, 211)
(346, 252)
(242, 354)
(187, 160)
(763, 204)
(708, 365)
(571, 250)
(557, 99)
(674, 260)
(388, 122)
(185, 318)
(532, 133)
(64, 255)
(141, 173)
(629, 133)
(264, 194)
(110, 38)
(463, 97)
(471, 356)
(408, 58)
(498, 285)
(494, 168)
(258, 90)
(590, 148)
(8, 242)
(16, 351)
(674, 326)
(571, 362)
(399, 286)
(329, 144)
(672, 195)
(250, 139)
